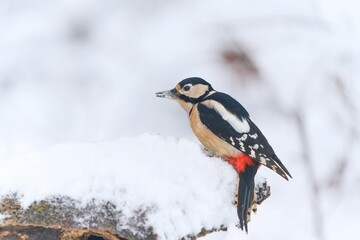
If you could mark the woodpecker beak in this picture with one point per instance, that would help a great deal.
(171, 94)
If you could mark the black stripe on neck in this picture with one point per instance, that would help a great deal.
(194, 100)
(191, 109)
(197, 100)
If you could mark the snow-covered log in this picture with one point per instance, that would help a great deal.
(147, 187)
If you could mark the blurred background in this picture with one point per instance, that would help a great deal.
(87, 71)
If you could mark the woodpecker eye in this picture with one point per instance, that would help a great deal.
(186, 88)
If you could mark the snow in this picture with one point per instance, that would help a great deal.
(231, 234)
(184, 189)
(86, 71)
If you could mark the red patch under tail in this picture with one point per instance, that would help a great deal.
(240, 162)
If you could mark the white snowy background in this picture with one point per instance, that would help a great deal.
(77, 84)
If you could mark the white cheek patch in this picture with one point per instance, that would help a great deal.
(241, 125)
(197, 91)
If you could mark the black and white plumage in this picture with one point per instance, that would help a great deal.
(229, 120)
(224, 127)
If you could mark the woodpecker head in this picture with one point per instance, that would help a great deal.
(188, 92)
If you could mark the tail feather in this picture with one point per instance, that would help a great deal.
(276, 165)
(281, 165)
(246, 194)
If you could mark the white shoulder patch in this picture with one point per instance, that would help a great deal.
(241, 125)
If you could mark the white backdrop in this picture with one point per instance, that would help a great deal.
(85, 71)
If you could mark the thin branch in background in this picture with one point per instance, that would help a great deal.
(315, 195)
(239, 60)
(342, 90)
(336, 177)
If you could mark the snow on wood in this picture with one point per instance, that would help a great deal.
(137, 188)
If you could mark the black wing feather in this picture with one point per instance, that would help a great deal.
(252, 143)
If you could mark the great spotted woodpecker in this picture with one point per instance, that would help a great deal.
(225, 129)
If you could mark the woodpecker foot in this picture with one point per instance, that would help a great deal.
(236, 195)
(262, 192)
(253, 207)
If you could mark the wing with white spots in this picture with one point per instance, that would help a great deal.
(238, 130)
(266, 155)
